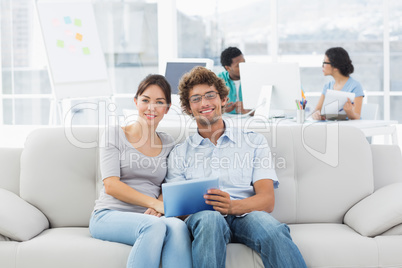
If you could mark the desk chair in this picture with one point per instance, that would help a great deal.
(369, 111)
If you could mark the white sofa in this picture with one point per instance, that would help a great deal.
(341, 197)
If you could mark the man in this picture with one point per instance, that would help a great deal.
(246, 196)
(230, 59)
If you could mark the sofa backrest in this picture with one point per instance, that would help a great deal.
(329, 170)
(10, 169)
(58, 174)
(318, 183)
(323, 170)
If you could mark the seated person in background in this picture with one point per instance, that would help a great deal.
(230, 59)
(338, 64)
(246, 197)
(133, 165)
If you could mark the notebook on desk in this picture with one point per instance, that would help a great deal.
(186, 197)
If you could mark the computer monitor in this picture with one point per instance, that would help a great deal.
(285, 81)
(175, 69)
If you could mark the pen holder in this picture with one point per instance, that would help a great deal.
(300, 116)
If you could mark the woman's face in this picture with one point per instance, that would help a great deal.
(326, 66)
(152, 105)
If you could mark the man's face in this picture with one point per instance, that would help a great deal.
(233, 69)
(206, 104)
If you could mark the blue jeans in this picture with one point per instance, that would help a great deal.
(258, 230)
(152, 238)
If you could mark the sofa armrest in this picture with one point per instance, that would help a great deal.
(378, 212)
(19, 220)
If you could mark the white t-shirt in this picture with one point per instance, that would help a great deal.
(237, 84)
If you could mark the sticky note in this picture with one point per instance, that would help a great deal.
(77, 22)
(60, 43)
(71, 48)
(85, 50)
(78, 37)
(67, 20)
(68, 32)
(56, 22)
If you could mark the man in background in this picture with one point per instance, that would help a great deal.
(230, 59)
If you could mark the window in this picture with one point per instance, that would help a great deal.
(128, 30)
(395, 36)
(128, 35)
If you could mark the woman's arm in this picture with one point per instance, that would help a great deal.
(353, 111)
(123, 192)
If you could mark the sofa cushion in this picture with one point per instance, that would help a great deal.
(334, 245)
(19, 220)
(389, 250)
(71, 247)
(8, 253)
(396, 230)
(378, 212)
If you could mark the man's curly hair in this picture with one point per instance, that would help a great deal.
(199, 76)
(228, 54)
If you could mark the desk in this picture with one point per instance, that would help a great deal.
(368, 127)
(375, 127)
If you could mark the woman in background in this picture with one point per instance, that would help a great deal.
(133, 163)
(338, 64)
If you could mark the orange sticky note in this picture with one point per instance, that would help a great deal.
(78, 37)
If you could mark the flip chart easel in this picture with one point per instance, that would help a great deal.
(76, 63)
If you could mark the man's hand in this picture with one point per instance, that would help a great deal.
(153, 212)
(219, 200)
(230, 106)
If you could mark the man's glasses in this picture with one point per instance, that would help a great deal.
(325, 62)
(208, 96)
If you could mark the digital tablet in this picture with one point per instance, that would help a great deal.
(187, 197)
(334, 101)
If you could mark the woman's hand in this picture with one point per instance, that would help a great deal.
(348, 107)
(153, 212)
(158, 206)
(317, 115)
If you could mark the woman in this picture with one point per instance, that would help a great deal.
(133, 163)
(338, 64)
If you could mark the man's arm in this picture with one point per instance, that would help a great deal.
(263, 200)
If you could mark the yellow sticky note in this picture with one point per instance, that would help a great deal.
(78, 37)
(60, 43)
(85, 50)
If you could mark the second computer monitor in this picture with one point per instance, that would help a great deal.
(177, 67)
(285, 81)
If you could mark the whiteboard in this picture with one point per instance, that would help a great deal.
(75, 57)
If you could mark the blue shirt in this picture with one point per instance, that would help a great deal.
(350, 86)
(239, 159)
(232, 89)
